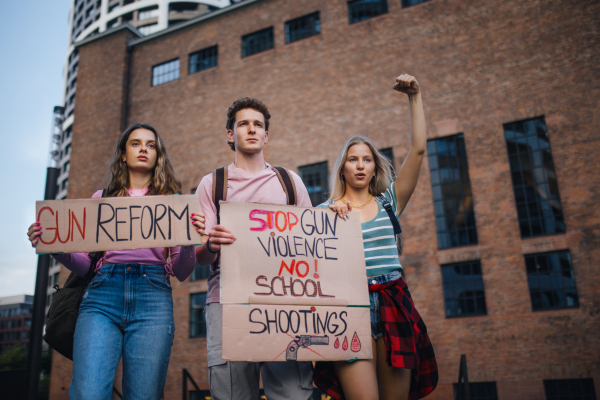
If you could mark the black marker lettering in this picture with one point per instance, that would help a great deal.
(117, 222)
(131, 218)
(142, 222)
(187, 220)
(330, 248)
(100, 223)
(257, 322)
(268, 251)
(157, 218)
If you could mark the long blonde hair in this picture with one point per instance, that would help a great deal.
(383, 170)
(163, 179)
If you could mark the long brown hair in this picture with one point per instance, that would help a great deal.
(383, 170)
(163, 179)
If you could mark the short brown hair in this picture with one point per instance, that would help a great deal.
(240, 104)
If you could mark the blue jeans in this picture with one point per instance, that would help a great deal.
(127, 311)
(376, 328)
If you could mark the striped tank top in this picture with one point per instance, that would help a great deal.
(381, 254)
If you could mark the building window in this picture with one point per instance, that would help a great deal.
(303, 27)
(316, 180)
(203, 59)
(408, 3)
(127, 17)
(114, 7)
(147, 13)
(189, 8)
(463, 289)
(200, 272)
(570, 389)
(551, 280)
(452, 196)
(534, 178)
(197, 315)
(257, 42)
(66, 167)
(148, 29)
(359, 10)
(479, 391)
(112, 23)
(165, 72)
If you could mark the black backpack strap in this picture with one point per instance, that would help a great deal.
(287, 182)
(219, 193)
(219, 189)
(388, 208)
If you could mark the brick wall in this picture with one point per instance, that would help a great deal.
(480, 64)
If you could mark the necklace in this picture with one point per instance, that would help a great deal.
(356, 206)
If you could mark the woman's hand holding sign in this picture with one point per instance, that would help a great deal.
(198, 221)
(34, 233)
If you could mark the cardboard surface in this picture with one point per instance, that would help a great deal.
(116, 223)
(262, 332)
(288, 259)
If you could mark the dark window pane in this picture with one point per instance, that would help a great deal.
(303, 27)
(203, 59)
(463, 289)
(316, 180)
(527, 141)
(451, 186)
(570, 389)
(200, 272)
(166, 72)
(478, 391)
(197, 315)
(257, 42)
(359, 10)
(551, 280)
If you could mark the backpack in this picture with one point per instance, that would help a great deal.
(64, 310)
(395, 223)
(219, 193)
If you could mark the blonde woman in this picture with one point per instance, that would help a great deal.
(403, 365)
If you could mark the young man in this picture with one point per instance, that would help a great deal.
(250, 179)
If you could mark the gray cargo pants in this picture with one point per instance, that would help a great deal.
(239, 380)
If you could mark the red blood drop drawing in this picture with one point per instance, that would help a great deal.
(337, 343)
(355, 346)
(313, 309)
(345, 344)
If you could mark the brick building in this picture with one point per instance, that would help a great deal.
(15, 320)
(501, 237)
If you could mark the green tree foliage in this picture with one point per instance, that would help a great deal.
(13, 357)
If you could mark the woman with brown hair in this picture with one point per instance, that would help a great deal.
(127, 309)
(403, 365)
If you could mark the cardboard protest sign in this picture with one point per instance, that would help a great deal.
(116, 223)
(293, 285)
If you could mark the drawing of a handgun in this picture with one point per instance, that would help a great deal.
(291, 354)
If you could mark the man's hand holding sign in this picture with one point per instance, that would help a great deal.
(293, 285)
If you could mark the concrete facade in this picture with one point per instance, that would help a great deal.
(480, 64)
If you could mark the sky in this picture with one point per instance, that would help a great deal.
(33, 45)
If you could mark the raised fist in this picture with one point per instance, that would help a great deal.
(406, 84)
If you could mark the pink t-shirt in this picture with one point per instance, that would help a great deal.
(182, 258)
(244, 187)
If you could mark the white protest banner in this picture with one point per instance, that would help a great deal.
(293, 285)
(116, 223)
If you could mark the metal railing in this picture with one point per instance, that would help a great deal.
(462, 388)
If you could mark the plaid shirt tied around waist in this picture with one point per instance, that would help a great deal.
(407, 344)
